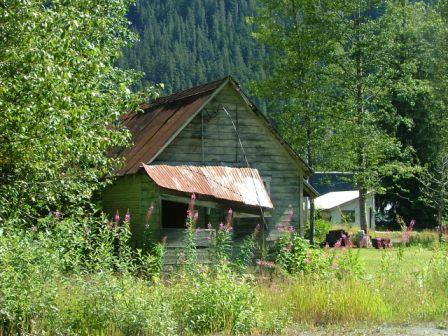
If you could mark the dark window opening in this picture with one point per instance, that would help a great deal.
(174, 215)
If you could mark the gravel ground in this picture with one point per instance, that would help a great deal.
(411, 330)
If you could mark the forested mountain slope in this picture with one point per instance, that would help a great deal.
(188, 42)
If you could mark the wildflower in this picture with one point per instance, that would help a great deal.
(291, 229)
(267, 264)
(190, 211)
(117, 217)
(196, 216)
(281, 228)
(229, 218)
(209, 226)
(150, 211)
(257, 229)
(127, 217)
(221, 226)
(57, 215)
(379, 242)
(338, 243)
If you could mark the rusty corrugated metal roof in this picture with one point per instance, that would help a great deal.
(243, 185)
(152, 130)
(161, 119)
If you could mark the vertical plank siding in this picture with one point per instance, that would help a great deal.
(134, 193)
(211, 138)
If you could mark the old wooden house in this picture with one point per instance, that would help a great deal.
(210, 140)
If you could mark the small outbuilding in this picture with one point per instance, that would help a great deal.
(210, 140)
(342, 207)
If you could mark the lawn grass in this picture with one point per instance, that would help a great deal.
(413, 259)
(399, 285)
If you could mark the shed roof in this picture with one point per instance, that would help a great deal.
(242, 185)
(153, 129)
(333, 199)
(161, 120)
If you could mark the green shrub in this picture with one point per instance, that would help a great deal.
(321, 228)
(212, 303)
(29, 268)
(107, 303)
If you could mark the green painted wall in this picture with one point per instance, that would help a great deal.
(135, 193)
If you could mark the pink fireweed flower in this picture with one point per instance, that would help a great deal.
(191, 204)
(221, 226)
(257, 229)
(117, 217)
(57, 215)
(281, 228)
(408, 231)
(291, 229)
(150, 211)
(127, 217)
(229, 218)
(267, 264)
(338, 243)
(209, 226)
(196, 216)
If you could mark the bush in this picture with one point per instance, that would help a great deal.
(29, 268)
(321, 228)
(107, 303)
(216, 303)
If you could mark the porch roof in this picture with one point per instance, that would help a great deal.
(242, 185)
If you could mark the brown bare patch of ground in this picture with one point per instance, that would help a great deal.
(384, 330)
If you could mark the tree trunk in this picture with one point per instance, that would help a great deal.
(362, 209)
(312, 221)
(439, 222)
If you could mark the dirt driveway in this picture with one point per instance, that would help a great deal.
(408, 330)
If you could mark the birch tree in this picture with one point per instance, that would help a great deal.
(60, 96)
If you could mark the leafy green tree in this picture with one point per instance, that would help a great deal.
(333, 74)
(60, 96)
(296, 33)
(413, 30)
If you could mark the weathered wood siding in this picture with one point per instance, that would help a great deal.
(211, 138)
(135, 193)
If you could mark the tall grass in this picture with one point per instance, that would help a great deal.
(392, 295)
(51, 285)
